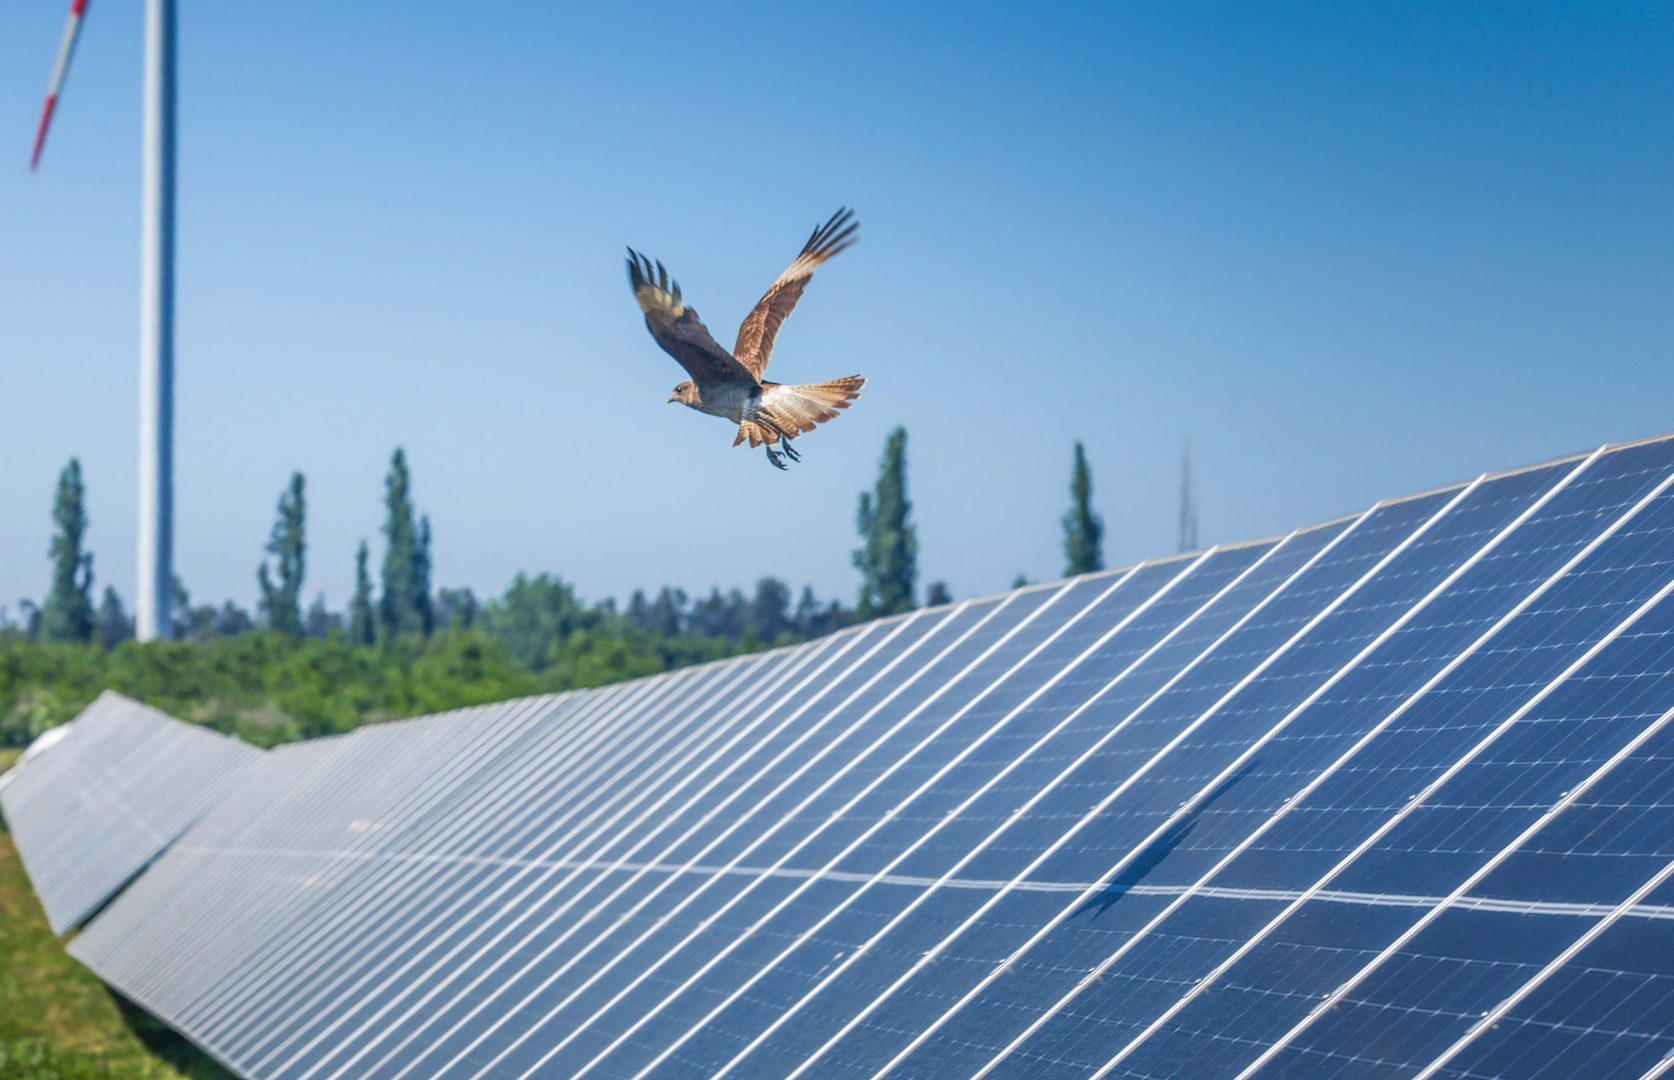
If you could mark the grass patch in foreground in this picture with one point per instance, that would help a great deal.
(57, 1020)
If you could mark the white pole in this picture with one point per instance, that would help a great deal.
(156, 449)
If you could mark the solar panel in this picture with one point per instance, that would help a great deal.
(1386, 796)
(94, 801)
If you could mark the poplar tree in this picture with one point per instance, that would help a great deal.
(888, 556)
(281, 603)
(112, 624)
(68, 612)
(1083, 531)
(362, 625)
(404, 607)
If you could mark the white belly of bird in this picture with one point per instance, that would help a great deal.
(729, 404)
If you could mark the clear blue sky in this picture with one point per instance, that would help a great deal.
(1353, 252)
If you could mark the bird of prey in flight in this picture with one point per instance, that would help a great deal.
(730, 384)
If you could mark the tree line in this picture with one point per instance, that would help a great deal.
(402, 646)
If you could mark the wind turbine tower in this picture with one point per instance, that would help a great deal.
(156, 427)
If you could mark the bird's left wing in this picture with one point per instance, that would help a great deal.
(677, 327)
(755, 337)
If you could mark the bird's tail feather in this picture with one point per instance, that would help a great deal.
(797, 410)
(784, 412)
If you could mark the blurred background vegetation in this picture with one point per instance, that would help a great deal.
(401, 647)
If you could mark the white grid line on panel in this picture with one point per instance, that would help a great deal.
(604, 722)
(770, 699)
(313, 802)
(364, 745)
(1200, 887)
(114, 748)
(210, 1016)
(1500, 1011)
(101, 930)
(877, 781)
(43, 810)
(636, 737)
(403, 787)
(121, 951)
(452, 770)
(1563, 908)
(999, 606)
(389, 775)
(1188, 568)
(1307, 702)
(677, 870)
(216, 917)
(879, 741)
(1005, 887)
(1186, 808)
(1414, 803)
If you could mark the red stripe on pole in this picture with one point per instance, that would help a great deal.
(41, 133)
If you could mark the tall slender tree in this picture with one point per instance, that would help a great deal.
(1083, 531)
(362, 618)
(68, 612)
(321, 621)
(888, 556)
(281, 603)
(424, 594)
(1188, 499)
(768, 614)
(404, 607)
(112, 626)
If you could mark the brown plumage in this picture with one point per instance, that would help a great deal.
(730, 385)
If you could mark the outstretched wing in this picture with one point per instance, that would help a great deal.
(677, 327)
(755, 337)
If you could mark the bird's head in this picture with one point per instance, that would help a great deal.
(686, 394)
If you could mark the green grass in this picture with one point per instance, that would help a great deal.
(56, 1019)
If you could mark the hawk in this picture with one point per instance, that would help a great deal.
(730, 384)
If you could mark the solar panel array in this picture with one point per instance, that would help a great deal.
(1393, 795)
(99, 798)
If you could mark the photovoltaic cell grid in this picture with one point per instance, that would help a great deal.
(108, 795)
(1388, 796)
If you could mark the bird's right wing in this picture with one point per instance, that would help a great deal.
(677, 327)
(761, 326)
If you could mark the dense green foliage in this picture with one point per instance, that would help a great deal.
(271, 688)
(281, 602)
(403, 648)
(888, 556)
(67, 614)
(1083, 531)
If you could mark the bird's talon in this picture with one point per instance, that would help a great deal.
(775, 458)
(791, 451)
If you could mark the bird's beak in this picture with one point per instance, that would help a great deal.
(672, 398)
